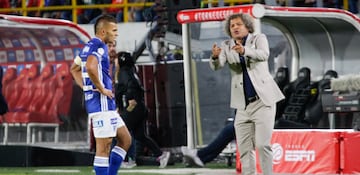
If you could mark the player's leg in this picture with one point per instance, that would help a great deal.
(101, 160)
(215, 147)
(245, 138)
(123, 138)
(104, 127)
(118, 153)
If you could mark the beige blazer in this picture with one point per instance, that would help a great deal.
(256, 56)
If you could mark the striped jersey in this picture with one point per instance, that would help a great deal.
(94, 100)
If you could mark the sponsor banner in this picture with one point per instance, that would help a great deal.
(7, 43)
(76, 51)
(3, 57)
(29, 55)
(63, 40)
(25, 42)
(54, 41)
(304, 152)
(212, 14)
(59, 55)
(50, 55)
(68, 54)
(350, 152)
(73, 40)
(20, 55)
(11, 56)
(37, 55)
(16, 42)
(44, 41)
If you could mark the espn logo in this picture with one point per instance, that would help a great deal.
(294, 155)
(299, 155)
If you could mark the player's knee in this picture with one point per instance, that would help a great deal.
(124, 139)
(103, 148)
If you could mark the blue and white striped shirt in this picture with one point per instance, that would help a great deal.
(94, 100)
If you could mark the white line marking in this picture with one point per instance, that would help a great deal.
(57, 171)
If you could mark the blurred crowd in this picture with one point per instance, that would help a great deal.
(140, 13)
(84, 16)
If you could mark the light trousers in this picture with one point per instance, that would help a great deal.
(253, 129)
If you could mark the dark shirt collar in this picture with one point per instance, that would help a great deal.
(244, 39)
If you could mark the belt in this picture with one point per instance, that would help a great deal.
(252, 99)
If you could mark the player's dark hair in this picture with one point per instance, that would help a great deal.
(102, 20)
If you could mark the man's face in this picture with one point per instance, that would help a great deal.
(111, 32)
(112, 50)
(237, 28)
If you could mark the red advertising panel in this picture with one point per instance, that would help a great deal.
(350, 152)
(216, 14)
(304, 152)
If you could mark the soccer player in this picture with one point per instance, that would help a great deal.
(91, 72)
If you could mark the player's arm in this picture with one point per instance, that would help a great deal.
(76, 71)
(92, 70)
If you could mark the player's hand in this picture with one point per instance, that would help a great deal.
(239, 48)
(107, 93)
(215, 51)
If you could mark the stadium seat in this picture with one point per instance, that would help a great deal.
(297, 94)
(24, 88)
(17, 88)
(282, 79)
(8, 78)
(41, 88)
(41, 99)
(61, 96)
(28, 85)
(8, 84)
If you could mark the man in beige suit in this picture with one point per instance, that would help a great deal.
(254, 92)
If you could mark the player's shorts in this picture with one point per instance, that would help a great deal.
(105, 124)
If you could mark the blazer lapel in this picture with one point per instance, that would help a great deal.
(250, 42)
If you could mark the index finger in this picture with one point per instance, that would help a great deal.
(214, 45)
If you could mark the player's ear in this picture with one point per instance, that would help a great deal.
(103, 32)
